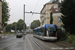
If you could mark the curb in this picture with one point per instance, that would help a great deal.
(67, 43)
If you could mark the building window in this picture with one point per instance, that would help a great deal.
(59, 19)
(56, 10)
(55, 0)
(54, 7)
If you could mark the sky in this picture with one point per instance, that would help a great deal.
(17, 8)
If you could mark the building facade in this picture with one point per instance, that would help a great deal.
(54, 7)
(0, 15)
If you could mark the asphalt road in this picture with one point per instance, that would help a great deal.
(32, 43)
(10, 42)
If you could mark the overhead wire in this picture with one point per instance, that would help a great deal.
(34, 9)
(36, 5)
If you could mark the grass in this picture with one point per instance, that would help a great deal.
(7, 33)
(71, 39)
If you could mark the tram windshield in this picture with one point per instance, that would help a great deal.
(52, 31)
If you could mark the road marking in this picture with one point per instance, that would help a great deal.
(9, 44)
(36, 44)
(29, 43)
(25, 43)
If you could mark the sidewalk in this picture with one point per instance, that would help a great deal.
(4, 36)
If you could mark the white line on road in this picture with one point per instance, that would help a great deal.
(24, 45)
(37, 45)
(29, 43)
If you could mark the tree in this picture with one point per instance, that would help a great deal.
(5, 12)
(68, 15)
(51, 18)
(13, 25)
(35, 23)
(8, 28)
(20, 24)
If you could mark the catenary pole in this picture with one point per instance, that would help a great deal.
(24, 20)
(15, 28)
(24, 23)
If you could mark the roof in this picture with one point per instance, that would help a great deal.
(54, 2)
(48, 2)
(45, 25)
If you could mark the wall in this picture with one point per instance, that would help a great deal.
(46, 9)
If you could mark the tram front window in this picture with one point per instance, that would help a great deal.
(52, 31)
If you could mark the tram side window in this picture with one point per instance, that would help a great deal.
(41, 31)
(36, 32)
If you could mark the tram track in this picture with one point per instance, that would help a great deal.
(37, 44)
(42, 45)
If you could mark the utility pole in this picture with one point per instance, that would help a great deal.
(24, 20)
(24, 24)
(15, 28)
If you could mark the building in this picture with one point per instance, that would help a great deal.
(0, 14)
(54, 7)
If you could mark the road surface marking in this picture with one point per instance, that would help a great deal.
(29, 43)
(25, 43)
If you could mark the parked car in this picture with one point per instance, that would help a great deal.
(19, 35)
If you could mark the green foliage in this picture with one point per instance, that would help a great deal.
(8, 33)
(13, 25)
(5, 12)
(51, 18)
(8, 28)
(19, 26)
(68, 17)
(71, 39)
(35, 23)
(61, 35)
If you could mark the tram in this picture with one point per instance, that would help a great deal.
(46, 32)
